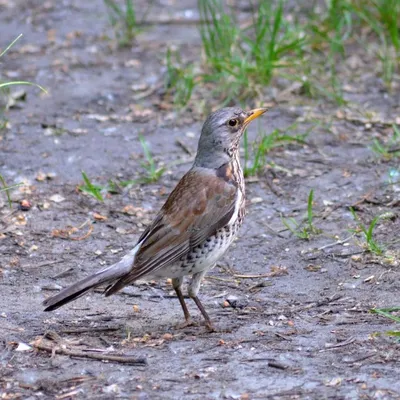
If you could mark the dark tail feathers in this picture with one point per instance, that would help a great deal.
(78, 289)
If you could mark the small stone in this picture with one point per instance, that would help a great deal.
(57, 198)
(256, 200)
(40, 177)
(23, 347)
(99, 217)
(25, 205)
(167, 336)
(115, 251)
(114, 388)
(334, 382)
(45, 205)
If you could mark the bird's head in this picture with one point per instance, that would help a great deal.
(221, 133)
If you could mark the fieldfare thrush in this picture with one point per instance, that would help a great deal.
(195, 226)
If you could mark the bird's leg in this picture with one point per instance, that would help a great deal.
(193, 290)
(177, 285)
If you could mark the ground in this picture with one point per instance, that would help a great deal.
(292, 315)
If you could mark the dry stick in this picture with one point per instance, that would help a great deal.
(273, 364)
(298, 308)
(40, 345)
(336, 243)
(330, 346)
(267, 275)
(96, 356)
(184, 147)
(43, 264)
(84, 330)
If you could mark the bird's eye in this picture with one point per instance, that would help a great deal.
(233, 122)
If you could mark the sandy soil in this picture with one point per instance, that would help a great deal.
(293, 315)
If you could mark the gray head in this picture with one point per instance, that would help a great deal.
(221, 133)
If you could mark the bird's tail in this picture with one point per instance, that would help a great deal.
(78, 289)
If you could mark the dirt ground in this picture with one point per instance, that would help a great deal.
(293, 315)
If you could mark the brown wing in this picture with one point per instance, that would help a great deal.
(200, 204)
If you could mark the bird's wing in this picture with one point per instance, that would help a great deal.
(200, 204)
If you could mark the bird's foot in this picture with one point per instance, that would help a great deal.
(210, 327)
(186, 324)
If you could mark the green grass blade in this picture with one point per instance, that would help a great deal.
(13, 83)
(7, 189)
(91, 189)
(10, 45)
(310, 208)
(386, 312)
(114, 7)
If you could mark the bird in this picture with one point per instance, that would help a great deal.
(194, 227)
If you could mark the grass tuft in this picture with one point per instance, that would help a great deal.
(90, 188)
(390, 149)
(298, 229)
(3, 122)
(388, 313)
(180, 80)
(370, 243)
(124, 21)
(242, 59)
(152, 172)
(264, 144)
(7, 189)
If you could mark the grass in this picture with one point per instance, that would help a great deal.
(243, 57)
(264, 144)
(180, 80)
(388, 313)
(298, 229)
(371, 244)
(3, 122)
(124, 21)
(152, 172)
(5, 188)
(90, 188)
(381, 17)
(391, 148)
(4, 85)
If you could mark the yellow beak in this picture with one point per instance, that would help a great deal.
(253, 114)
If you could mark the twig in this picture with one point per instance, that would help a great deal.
(83, 330)
(346, 255)
(95, 356)
(43, 264)
(279, 272)
(63, 273)
(361, 358)
(273, 364)
(61, 348)
(334, 244)
(183, 147)
(329, 346)
(148, 92)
